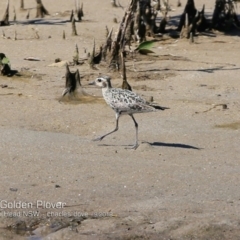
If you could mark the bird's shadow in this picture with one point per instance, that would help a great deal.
(158, 144)
(173, 145)
(115, 145)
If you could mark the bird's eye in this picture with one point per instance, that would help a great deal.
(99, 80)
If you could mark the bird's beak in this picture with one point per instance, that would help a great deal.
(92, 83)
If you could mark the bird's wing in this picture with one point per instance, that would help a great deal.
(131, 108)
(127, 101)
(126, 96)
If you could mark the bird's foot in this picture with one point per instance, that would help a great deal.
(135, 146)
(98, 139)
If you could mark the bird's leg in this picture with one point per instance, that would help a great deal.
(135, 146)
(116, 128)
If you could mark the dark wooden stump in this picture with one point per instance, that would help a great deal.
(224, 16)
(80, 12)
(5, 19)
(191, 12)
(22, 4)
(41, 10)
(74, 30)
(72, 81)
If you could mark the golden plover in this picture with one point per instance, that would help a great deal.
(123, 102)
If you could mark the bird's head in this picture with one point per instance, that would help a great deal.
(103, 82)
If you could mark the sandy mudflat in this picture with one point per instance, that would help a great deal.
(183, 180)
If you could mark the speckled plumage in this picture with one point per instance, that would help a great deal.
(123, 102)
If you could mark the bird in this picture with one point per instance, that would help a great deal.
(123, 102)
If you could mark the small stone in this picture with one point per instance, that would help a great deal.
(19, 227)
(224, 106)
(57, 186)
(151, 99)
(58, 60)
(13, 189)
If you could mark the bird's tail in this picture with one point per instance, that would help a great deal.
(159, 107)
